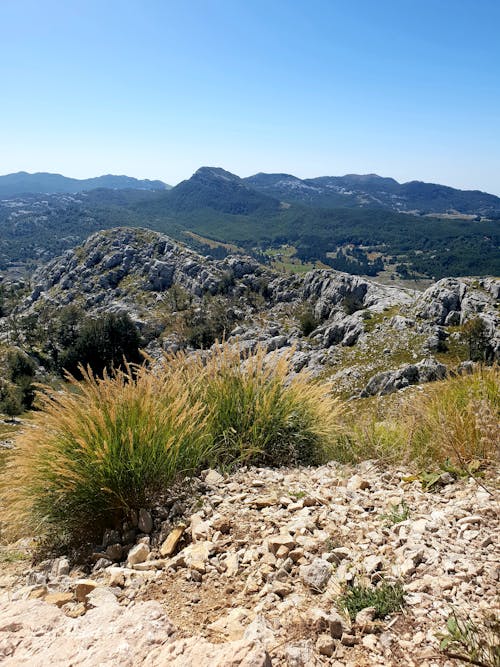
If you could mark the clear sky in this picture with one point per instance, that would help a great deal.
(157, 88)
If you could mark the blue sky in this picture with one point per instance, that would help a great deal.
(155, 88)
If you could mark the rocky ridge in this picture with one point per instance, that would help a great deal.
(361, 328)
(252, 575)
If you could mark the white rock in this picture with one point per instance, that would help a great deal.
(138, 554)
(213, 478)
(317, 574)
(372, 564)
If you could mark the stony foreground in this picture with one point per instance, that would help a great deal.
(251, 576)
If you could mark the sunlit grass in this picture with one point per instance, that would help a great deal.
(98, 449)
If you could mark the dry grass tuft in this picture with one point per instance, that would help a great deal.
(454, 421)
(102, 447)
(258, 411)
(457, 420)
(99, 448)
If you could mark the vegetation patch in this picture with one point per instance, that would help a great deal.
(452, 426)
(475, 643)
(102, 447)
(385, 598)
(255, 413)
(396, 514)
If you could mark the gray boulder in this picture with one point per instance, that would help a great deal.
(387, 382)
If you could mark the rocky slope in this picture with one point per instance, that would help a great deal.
(252, 575)
(358, 328)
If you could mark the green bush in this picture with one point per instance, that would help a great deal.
(308, 322)
(103, 344)
(11, 399)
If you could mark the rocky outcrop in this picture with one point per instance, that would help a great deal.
(33, 632)
(134, 270)
(152, 261)
(427, 370)
(331, 290)
(453, 301)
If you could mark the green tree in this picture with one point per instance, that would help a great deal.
(103, 344)
(475, 333)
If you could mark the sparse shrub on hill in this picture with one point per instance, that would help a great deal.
(475, 333)
(208, 323)
(103, 343)
(16, 386)
(308, 321)
(11, 399)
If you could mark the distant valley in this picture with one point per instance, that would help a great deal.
(366, 225)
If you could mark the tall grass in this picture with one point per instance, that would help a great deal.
(257, 411)
(458, 420)
(104, 446)
(453, 421)
(101, 447)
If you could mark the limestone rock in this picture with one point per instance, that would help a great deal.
(58, 599)
(317, 574)
(35, 633)
(83, 587)
(138, 554)
(169, 545)
(198, 652)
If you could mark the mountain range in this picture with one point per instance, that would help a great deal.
(44, 183)
(351, 190)
(414, 229)
(371, 191)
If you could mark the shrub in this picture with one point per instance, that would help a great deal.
(257, 413)
(100, 448)
(475, 333)
(17, 395)
(11, 399)
(308, 322)
(209, 323)
(103, 344)
(19, 366)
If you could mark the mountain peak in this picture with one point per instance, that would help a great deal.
(216, 173)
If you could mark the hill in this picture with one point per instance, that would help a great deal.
(24, 183)
(272, 560)
(370, 191)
